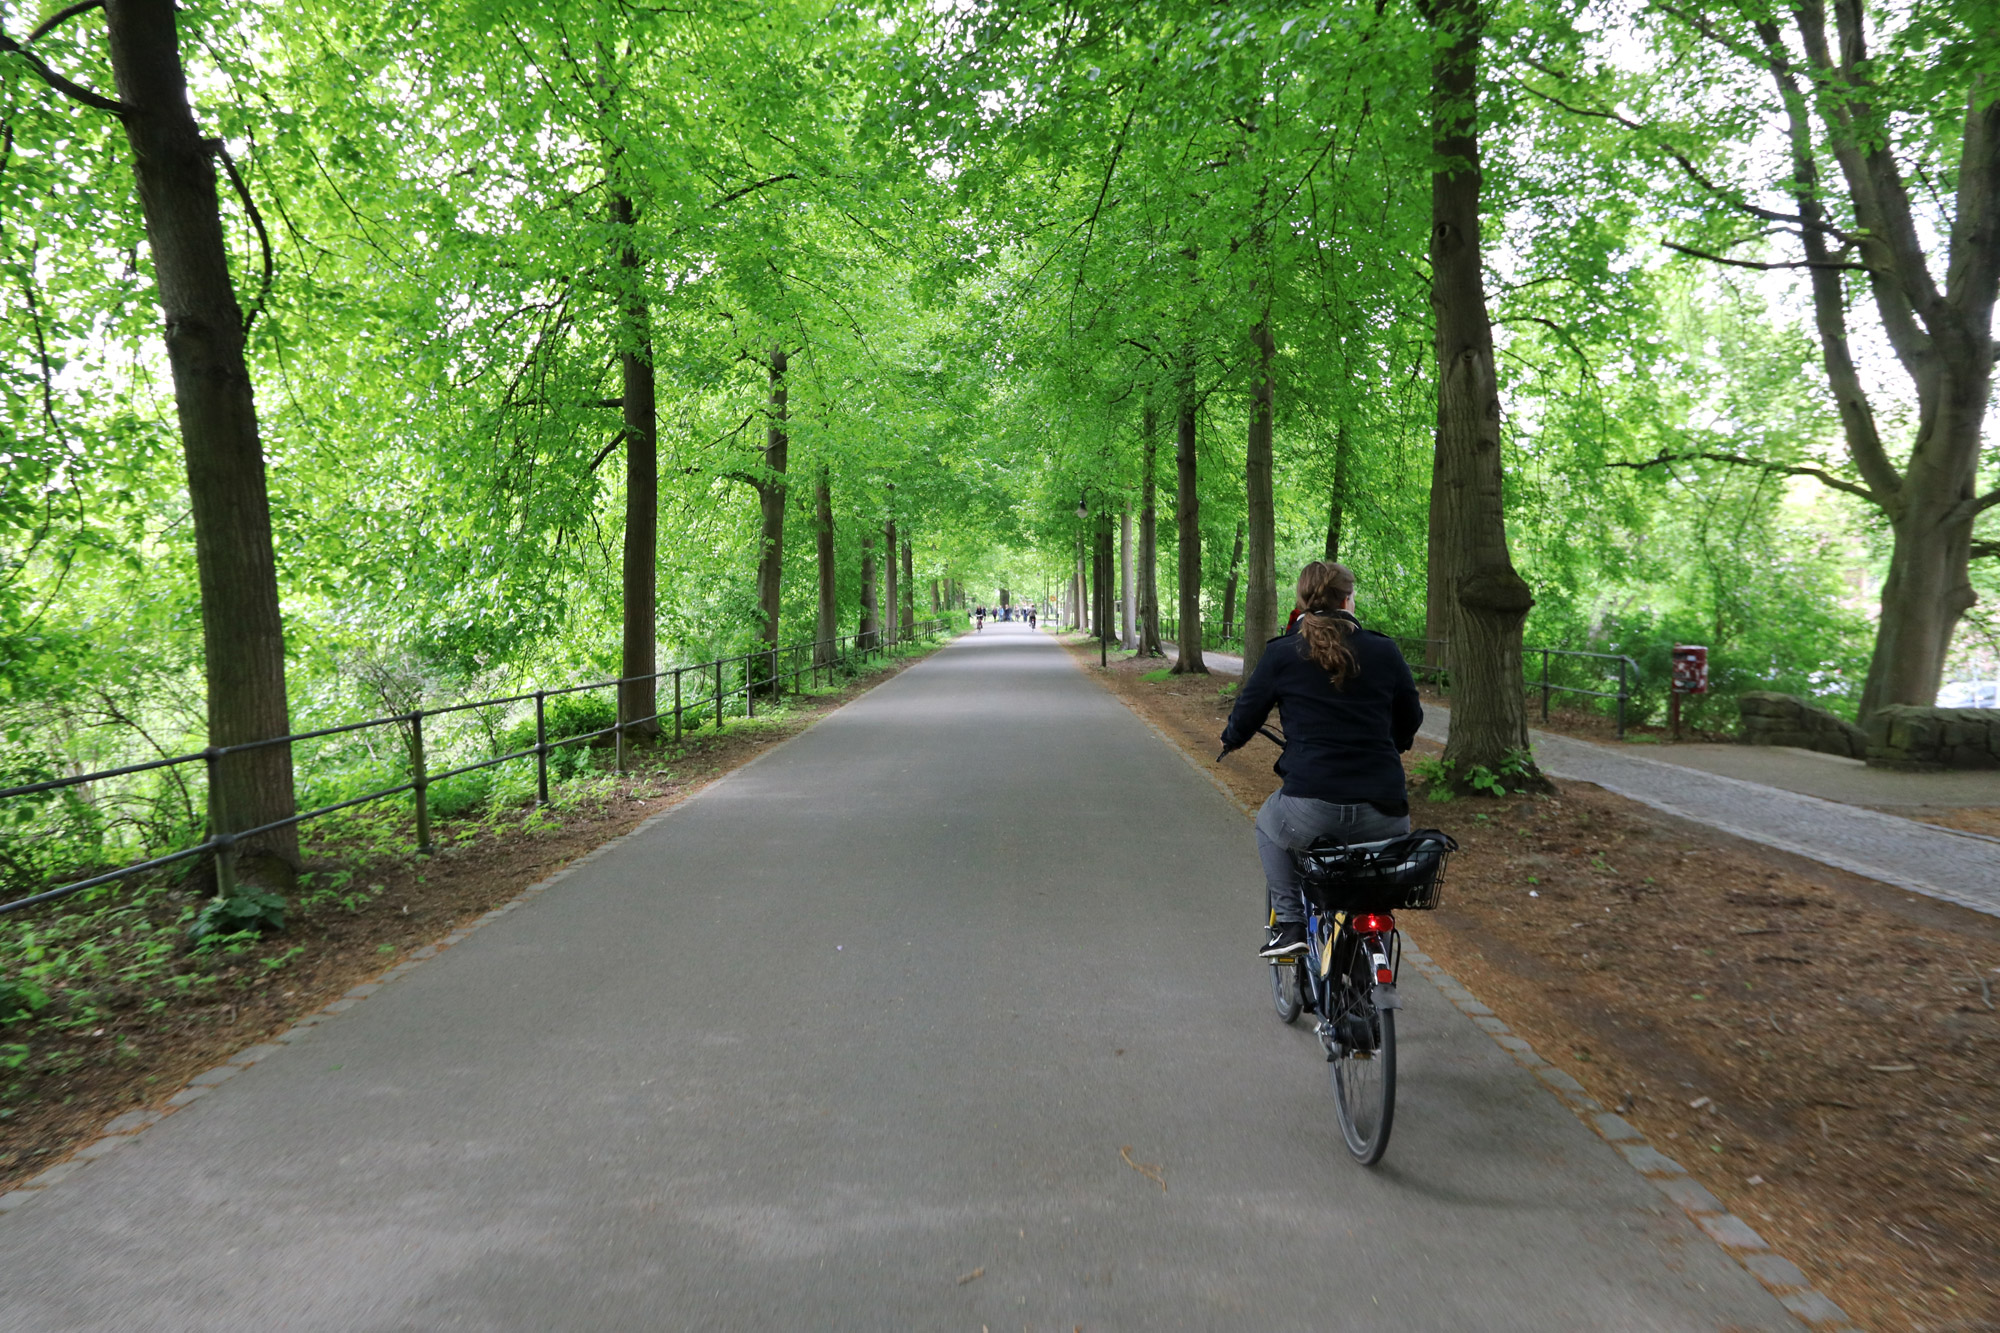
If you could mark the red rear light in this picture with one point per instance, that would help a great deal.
(1383, 976)
(1374, 923)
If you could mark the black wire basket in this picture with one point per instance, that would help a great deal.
(1402, 874)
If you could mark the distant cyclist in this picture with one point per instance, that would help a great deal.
(1349, 708)
(979, 617)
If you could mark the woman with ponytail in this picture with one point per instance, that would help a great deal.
(1349, 708)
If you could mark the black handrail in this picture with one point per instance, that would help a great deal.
(844, 649)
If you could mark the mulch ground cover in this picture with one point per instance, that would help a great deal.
(152, 1035)
(1819, 1050)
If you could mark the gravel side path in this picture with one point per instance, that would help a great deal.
(1962, 868)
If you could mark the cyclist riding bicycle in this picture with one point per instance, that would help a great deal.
(1349, 708)
(979, 616)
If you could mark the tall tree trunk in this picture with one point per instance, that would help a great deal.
(1488, 601)
(1105, 575)
(1126, 633)
(639, 656)
(1149, 535)
(1085, 583)
(1229, 585)
(1187, 527)
(1337, 506)
(909, 587)
(828, 627)
(1260, 596)
(937, 598)
(889, 605)
(1943, 337)
(871, 622)
(771, 502)
(243, 633)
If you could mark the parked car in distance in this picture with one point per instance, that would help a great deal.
(1970, 694)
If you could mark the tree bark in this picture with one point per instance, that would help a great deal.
(1337, 505)
(937, 598)
(1149, 536)
(638, 694)
(1230, 584)
(909, 587)
(1260, 596)
(771, 503)
(1488, 602)
(243, 635)
(1126, 632)
(871, 623)
(1942, 337)
(1187, 526)
(889, 605)
(828, 627)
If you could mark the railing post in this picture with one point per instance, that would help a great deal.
(1545, 685)
(420, 783)
(677, 705)
(225, 841)
(1621, 698)
(750, 690)
(618, 720)
(718, 694)
(541, 748)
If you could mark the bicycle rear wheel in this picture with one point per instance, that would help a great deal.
(1286, 993)
(1364, 1067)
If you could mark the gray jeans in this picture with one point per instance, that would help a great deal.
(1287, 823)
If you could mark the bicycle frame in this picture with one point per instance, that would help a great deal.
(1331, 940)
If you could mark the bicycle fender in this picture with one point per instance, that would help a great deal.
(1386, 997)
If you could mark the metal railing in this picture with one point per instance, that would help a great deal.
(761, 671)
(1627, 669)
(1213, 639)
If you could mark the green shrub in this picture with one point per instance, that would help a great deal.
(248, 910)
(19, 998)
(462, 795)
(568, 715)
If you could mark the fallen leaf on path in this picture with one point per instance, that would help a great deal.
(1146, 1169)
(973, 1276)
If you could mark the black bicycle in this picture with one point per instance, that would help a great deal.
(1347, 977)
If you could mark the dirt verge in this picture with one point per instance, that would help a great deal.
(151, 1034)
(1819, 1050)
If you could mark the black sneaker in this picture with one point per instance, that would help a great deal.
(1287, 939)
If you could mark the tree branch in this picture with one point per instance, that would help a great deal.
(60, 17)
(76, 92)
(753, 187)
(1761, 265)
(1967, 510)
(1985, 550)
(1776, 469)
(221, 151)
(605, 452)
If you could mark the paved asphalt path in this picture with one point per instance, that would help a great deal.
(1962, 868)
(853, 1040)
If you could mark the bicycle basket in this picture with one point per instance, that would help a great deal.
(1404, 874)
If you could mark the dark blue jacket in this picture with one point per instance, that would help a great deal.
(1344, 746)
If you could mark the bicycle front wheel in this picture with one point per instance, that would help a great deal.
(1286, 994)
(1364, 1069)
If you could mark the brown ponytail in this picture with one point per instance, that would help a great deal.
(1323, 586)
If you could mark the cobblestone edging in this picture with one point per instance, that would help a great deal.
(123, 1129)
(1779, 1274)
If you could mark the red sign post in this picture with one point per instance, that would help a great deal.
(1690, 677)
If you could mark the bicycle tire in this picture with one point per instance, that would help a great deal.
(1286, 993)
(1364, 1081)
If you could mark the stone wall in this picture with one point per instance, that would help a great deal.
(1786, 719)
(1907, 737)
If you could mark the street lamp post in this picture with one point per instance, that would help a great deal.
(1101, 601)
